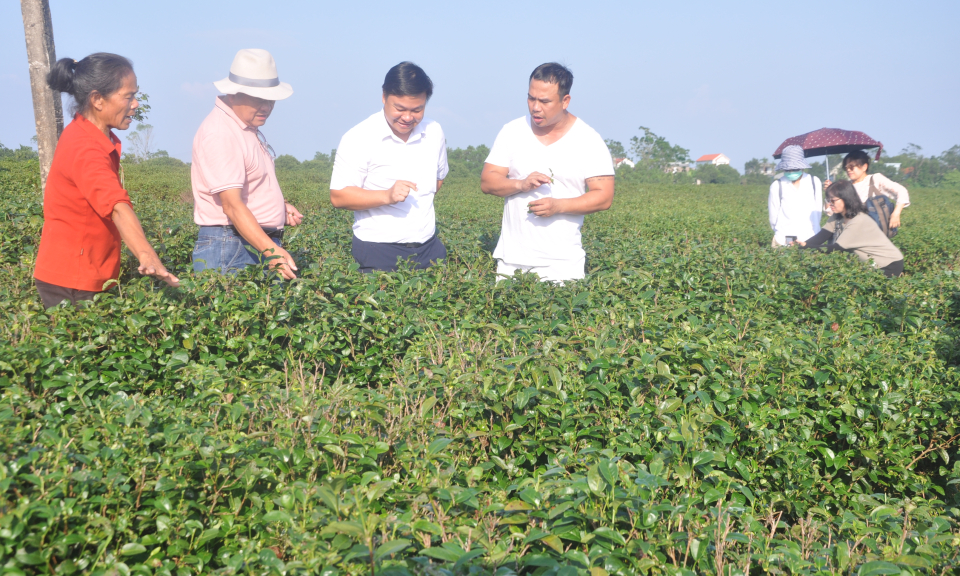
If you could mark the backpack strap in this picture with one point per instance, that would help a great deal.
(872, 188)
(780, 182)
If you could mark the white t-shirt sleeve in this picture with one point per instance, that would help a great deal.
(500, 153)
(596, 158)
(442, 167)
(349, 167)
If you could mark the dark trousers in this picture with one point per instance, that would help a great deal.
(51, 294)
(383, 256)
(893, 269)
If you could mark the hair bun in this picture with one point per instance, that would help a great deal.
(62, 74)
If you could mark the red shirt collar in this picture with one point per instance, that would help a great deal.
(111, 144)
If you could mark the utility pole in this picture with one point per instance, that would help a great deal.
(41, 55)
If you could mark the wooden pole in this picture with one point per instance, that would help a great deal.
(41, 55)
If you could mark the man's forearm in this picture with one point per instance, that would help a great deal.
(499, 185)
(588, 203)
(356, 198)
(247, 226)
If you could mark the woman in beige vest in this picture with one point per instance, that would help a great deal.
(850, 229)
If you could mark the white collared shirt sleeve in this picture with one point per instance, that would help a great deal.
(442, 167)
(350, 165)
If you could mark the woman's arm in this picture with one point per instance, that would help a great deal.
(834, 247)
(898, 192)
(128, 224)
(818, 239)
(892, 189)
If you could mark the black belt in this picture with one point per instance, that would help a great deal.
(275, 233)
(401, 244)
(412, 244)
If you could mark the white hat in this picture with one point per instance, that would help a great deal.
(254, 72)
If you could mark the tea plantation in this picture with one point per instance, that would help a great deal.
(698, 404)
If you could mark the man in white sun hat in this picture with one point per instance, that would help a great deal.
(795, 203)
(237, 200)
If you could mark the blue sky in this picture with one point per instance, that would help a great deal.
(731, 77)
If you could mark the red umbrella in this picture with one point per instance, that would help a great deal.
(830, 141)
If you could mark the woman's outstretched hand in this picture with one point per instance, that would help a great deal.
(152, 267)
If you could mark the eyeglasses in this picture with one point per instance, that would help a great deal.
(832, 201)
(267, 147)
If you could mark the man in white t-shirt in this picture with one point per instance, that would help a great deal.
(540, 165)
(387, 170)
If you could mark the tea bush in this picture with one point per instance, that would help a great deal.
(699, 403)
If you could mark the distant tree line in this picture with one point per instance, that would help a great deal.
(657, 161)
(21, 153)
(911, 167)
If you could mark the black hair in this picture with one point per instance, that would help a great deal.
(844, 190)
(553, 73)
(407, 79)
(858, 157)
(101, 72)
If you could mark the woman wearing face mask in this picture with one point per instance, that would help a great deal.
(796, 200)
(856, 165)
(851, 230)
(86, 211)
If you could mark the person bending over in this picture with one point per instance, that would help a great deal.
(851, 230)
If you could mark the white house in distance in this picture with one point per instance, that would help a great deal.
(715, 159)
(617, 162)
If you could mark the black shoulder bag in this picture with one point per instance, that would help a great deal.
(879, 207)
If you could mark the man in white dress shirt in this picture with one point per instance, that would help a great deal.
(387, 170)
(540, 165)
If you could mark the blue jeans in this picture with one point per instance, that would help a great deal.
(220, 247)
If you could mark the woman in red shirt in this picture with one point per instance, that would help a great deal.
(86, 211)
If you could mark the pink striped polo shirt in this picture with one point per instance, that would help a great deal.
(227, 154)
